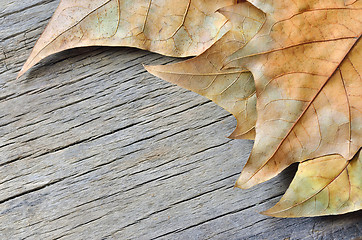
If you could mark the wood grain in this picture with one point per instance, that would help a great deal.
(94, 147)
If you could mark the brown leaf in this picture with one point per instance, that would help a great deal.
(306, 59)
(175, 28)
(307, 65)
(234, 89)
(322, 186)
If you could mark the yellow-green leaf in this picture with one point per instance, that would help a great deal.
(323, 186)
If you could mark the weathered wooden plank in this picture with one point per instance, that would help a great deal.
(93, 147)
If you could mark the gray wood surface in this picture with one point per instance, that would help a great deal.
(94, 147)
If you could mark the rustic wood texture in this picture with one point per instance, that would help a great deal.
(94, 147)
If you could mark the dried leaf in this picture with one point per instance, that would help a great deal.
(322, 186)
(233, 89)
(306, 59)
(175, 28)
(307, 65)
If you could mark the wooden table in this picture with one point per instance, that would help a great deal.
(94, 147)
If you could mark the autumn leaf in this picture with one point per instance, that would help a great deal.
(308, 85)
(290, 72)
(233, 89)
(306, 61)
(322, 186)
(175, 28)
